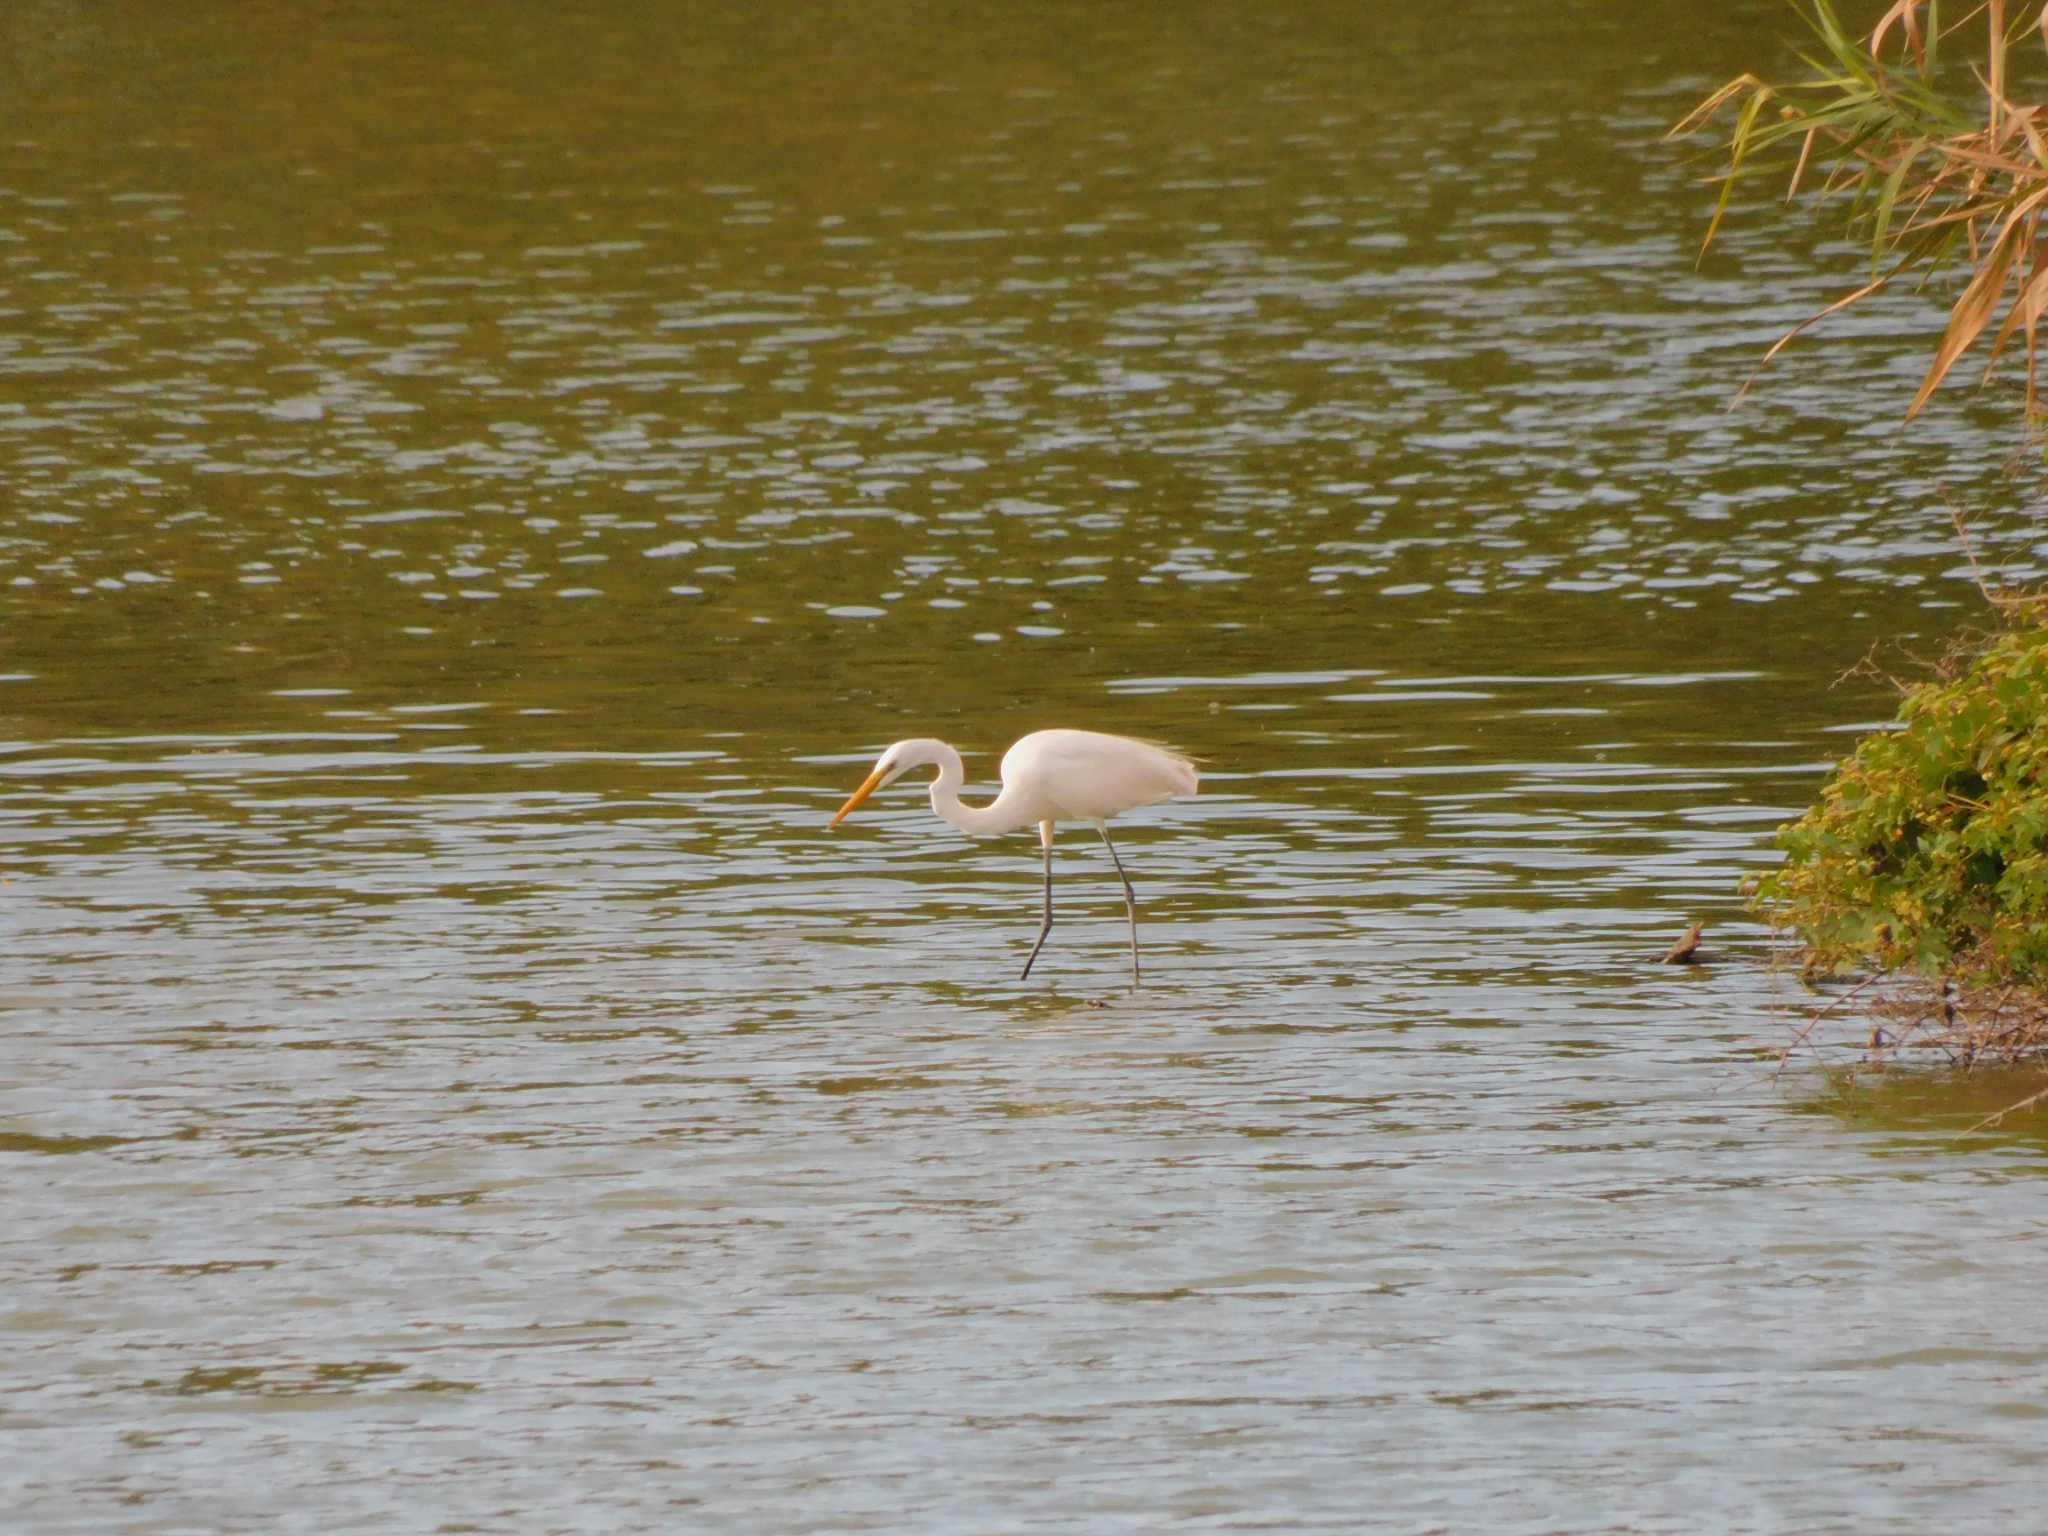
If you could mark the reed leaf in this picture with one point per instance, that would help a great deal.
(2026, 309)
(1921, 164)
(1972, 312)
(1907, 14)
(1881, 221)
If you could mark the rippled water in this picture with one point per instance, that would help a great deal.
(481, 486)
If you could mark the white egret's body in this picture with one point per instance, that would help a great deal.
(1048, 777)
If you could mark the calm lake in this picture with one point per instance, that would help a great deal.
(479, 485)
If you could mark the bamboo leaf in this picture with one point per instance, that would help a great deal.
(1698, 117)
(1972, 311)
(1833, 309)
(2033, 358)
(1924, 172)
(1744, 122)
(1994, 24)
(1881, 220)
(2028, 125)
(1806, 154)
(1907, 13)
(1830, 28)
(2027, 308)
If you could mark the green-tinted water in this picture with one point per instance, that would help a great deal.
(479, 484)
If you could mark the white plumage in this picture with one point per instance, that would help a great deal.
(1048, 777)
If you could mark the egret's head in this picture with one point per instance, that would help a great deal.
(889, 767)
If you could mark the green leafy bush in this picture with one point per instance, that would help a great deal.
(1928, 849)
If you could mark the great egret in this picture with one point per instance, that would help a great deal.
(1048, 776)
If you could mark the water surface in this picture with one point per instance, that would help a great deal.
(480, 487)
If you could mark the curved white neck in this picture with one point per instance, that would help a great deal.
(976, 821)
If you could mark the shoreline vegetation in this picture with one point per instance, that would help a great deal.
(1924, 860)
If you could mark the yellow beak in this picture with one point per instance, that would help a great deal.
(854, 800)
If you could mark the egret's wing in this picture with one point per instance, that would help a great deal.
(1091, 776)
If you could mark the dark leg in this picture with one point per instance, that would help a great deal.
(1045, 835)
(1130, 898)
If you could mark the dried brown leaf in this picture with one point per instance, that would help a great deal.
(1973, 311)
(1833, 309)
(1907, 13)
(1805, 154)
(2028, 305)
(1698, 116)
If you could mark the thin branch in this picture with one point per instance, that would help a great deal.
(2011, 1109)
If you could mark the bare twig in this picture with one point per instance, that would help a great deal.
(2011, 1109)
(1805, 1032)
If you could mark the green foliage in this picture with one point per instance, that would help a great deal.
(1928, 849)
